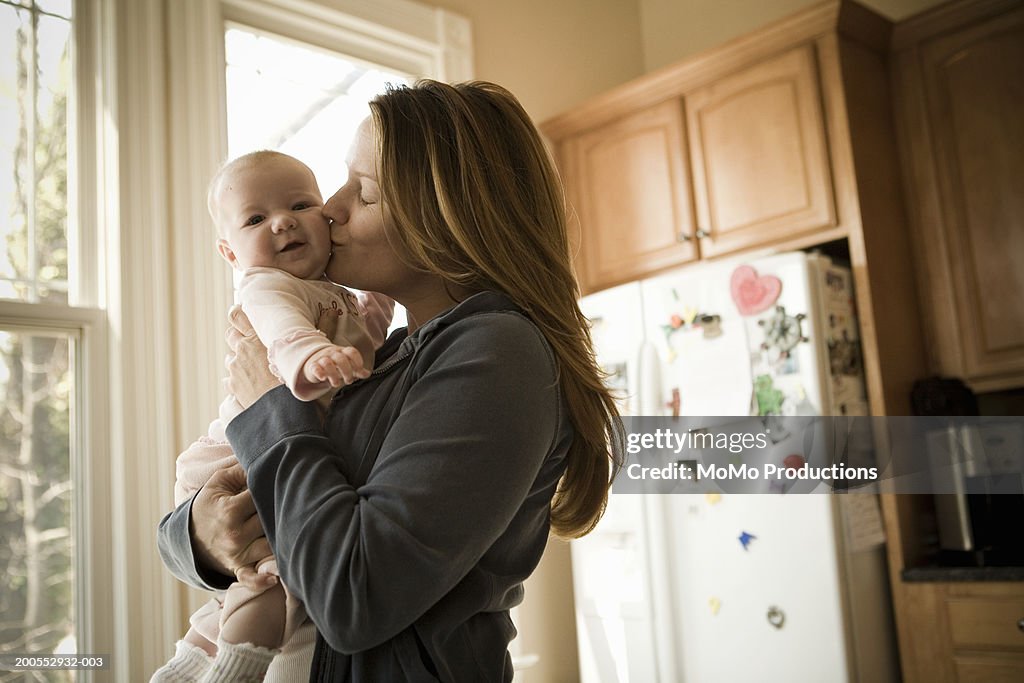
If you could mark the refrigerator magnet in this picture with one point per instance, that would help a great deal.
(794, 461)
(753, 293)
(688, 319)
(745, 539)
(675, 404)
(710, 324)
(782, 332)
(769, 399)
(715, 604)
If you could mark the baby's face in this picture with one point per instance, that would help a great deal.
(270, 214)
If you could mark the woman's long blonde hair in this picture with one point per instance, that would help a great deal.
(476, 200)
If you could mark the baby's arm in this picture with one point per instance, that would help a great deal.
(335, 365)
(281, 310)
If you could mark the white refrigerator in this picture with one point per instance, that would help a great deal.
(734, 587)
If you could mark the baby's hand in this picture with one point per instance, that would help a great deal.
(336, 365)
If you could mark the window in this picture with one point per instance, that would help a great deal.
(34, 92)
(36, 544)
(51, 344)
(310, 101)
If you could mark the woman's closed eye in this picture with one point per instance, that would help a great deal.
(367, 191)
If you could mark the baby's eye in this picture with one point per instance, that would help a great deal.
(254, 220)
(301, 205)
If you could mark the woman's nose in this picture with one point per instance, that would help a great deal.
(334, 209)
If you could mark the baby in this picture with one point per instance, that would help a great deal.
(267, 209)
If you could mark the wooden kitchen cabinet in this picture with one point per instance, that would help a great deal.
(759, 154)
(760, 173)
(742, 148)
(958, 102)
(964, 632)
(629, 182)
(958, 78)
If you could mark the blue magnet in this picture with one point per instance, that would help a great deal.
(745, 539)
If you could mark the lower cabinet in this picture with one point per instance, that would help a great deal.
(962, 632)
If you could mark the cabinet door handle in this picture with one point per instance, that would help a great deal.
(1020, 624)
(683, 237)
(703, 233)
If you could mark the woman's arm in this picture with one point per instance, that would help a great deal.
(216, 531)
(211, 534)
(453, 473)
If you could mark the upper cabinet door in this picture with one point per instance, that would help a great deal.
(628, 182)
(974, 94)
(760, 159)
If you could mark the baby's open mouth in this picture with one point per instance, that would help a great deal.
(292, 246)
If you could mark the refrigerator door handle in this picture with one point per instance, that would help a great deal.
(649, 380)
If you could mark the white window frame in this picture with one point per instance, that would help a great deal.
(84, 322)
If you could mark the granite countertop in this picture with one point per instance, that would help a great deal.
(936, 573)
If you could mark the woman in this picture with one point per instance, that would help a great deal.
(407, 520)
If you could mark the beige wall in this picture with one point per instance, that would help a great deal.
(553, 53)
(674, 29)
(547, 621)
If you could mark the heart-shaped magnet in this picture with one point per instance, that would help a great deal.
(753, 293)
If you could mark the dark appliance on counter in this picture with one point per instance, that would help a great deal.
(979, 465)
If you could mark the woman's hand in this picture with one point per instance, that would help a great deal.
(226, 531)
(249, 376)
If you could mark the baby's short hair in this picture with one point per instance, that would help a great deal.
(246, 161)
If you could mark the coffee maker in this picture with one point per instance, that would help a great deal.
(978, 473)
(977, 469)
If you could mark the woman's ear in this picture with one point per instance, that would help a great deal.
(224, 249)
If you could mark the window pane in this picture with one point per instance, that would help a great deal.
(36, 545)
(34, 98)
(59, 7)
(14, 25)
(52, 156)
(309, 101)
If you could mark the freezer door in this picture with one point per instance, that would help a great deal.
(616, 327)
(621, 628)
